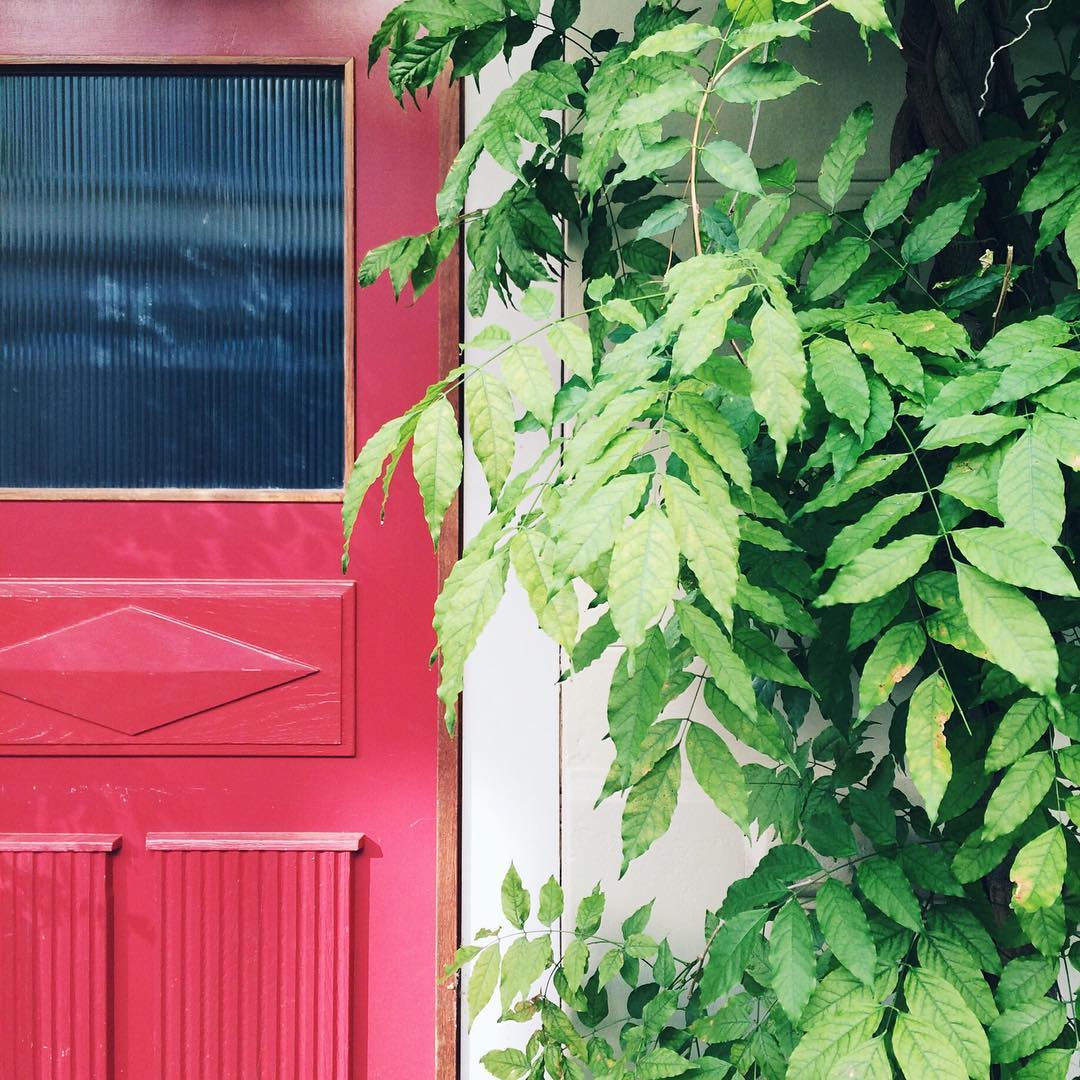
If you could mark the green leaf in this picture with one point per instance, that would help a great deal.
(746, 84)
(575, 962)
(366, 471)
(945, 955)
(590, 913)
(777, 373)
(1021, 790)
(766, 659)
(526, 373)
(710, 643)
(841, 381)
(483, 979)
(932, 330)
(635, 700)
(869, 14)
(584, 536)
(490, 414)
(591, 438)
(891, 360)
(706, 543)
(855, 538)
(661, 1063)
(437, 461)
(1018, 338)
(890, 198)
(1021, 1031)
(1072, 239)
(729, 952)
(1061, 434)
(677, 94)
(1026, 978)
(666, 218)
(715, 434)
(929, 763)
(551, 902)
(515, 899)
(834, 267)
(922, 1050)
(1042, 367)
(506, 1064)
(936, 231)
(1031, 490)
(622, 311)
(791, 959)
(963, 430)
(468, 600)
(731, 166)
(878, 571)
(748, 12)
(846, 930)
(704, 331)
(936, 1001)
(1045, 927)
(525, 961)
(1020, 728)
(1047, 1065)
(838, 164)
(886, 886)
(799, 233)
(1038, 871)
(644, 573)
(718, 773)
(893, 658)
(867, 473)
(1055, 177)
(961, 396)
(573, 347)
(1011, 627)
(683, 38)
(1016, 557)
(649, 806)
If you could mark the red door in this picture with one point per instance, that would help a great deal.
(218, 771)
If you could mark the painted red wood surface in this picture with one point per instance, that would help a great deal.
(386, 790)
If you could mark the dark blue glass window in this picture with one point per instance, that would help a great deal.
(171, 277)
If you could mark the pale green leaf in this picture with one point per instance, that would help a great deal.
(437, 461)
(556, 609)
(622, 311)
(935, 1000)
(482, 981)
(891, 360)
(1011, 627)
(683, 38)
(649, 806)
(590, 531)
(636, 697)
(867, 473)
(777, 373)
(1017, 338)
(1020, 729)
(841, 381)
(706, 543)
(751, 82)
(1031, 489)
(886, 886)
(515, 898)
(1020, 791)
(890, 198)
(676, 94)
(1061, 435)
(961, 396)
(962, 430)
(666, 218)
(791, 959)
(1047, 1065)
(869, 14)
(855, 538)
(1040, 368)
(878, 571)
(662, 1063)
(715, 434)
(799, 234)
(763, 219)
(643, 575)
(1038, 871)
(923, 1050)
(729, 952)
(731, 166)
(575, 961)
(929, 763)
(366, 471)
(1022, 1030)
(838, 164)
(1011, 555)
(932, 330)
(846, 930)
(936, 231)
(525, 961)
(718, 773)
(551, 902)
(704, 332)
(592, 437)
(748, 12)
(710, 643)
(490, 414)
(537, 302)
(834, 267)
(945, 955)
(526, 373)
(1027, 978)
(893, 658)
(509, 1064)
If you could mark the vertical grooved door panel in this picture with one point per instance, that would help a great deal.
(255, 956)
(55, 957)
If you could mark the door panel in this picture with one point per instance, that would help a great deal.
(335, 729)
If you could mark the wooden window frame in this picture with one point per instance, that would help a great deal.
(347, 65)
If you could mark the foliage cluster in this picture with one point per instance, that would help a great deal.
(814, 480)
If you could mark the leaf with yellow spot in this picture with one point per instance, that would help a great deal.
(929, 763)
(1038, 871)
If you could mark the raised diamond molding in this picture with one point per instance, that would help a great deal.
(133, 670)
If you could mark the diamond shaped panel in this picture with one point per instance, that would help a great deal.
(132, 670)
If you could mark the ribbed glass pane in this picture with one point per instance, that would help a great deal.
(171, 278)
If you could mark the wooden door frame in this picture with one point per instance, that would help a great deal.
(451, 106)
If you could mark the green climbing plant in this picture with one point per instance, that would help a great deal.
(810, 472)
